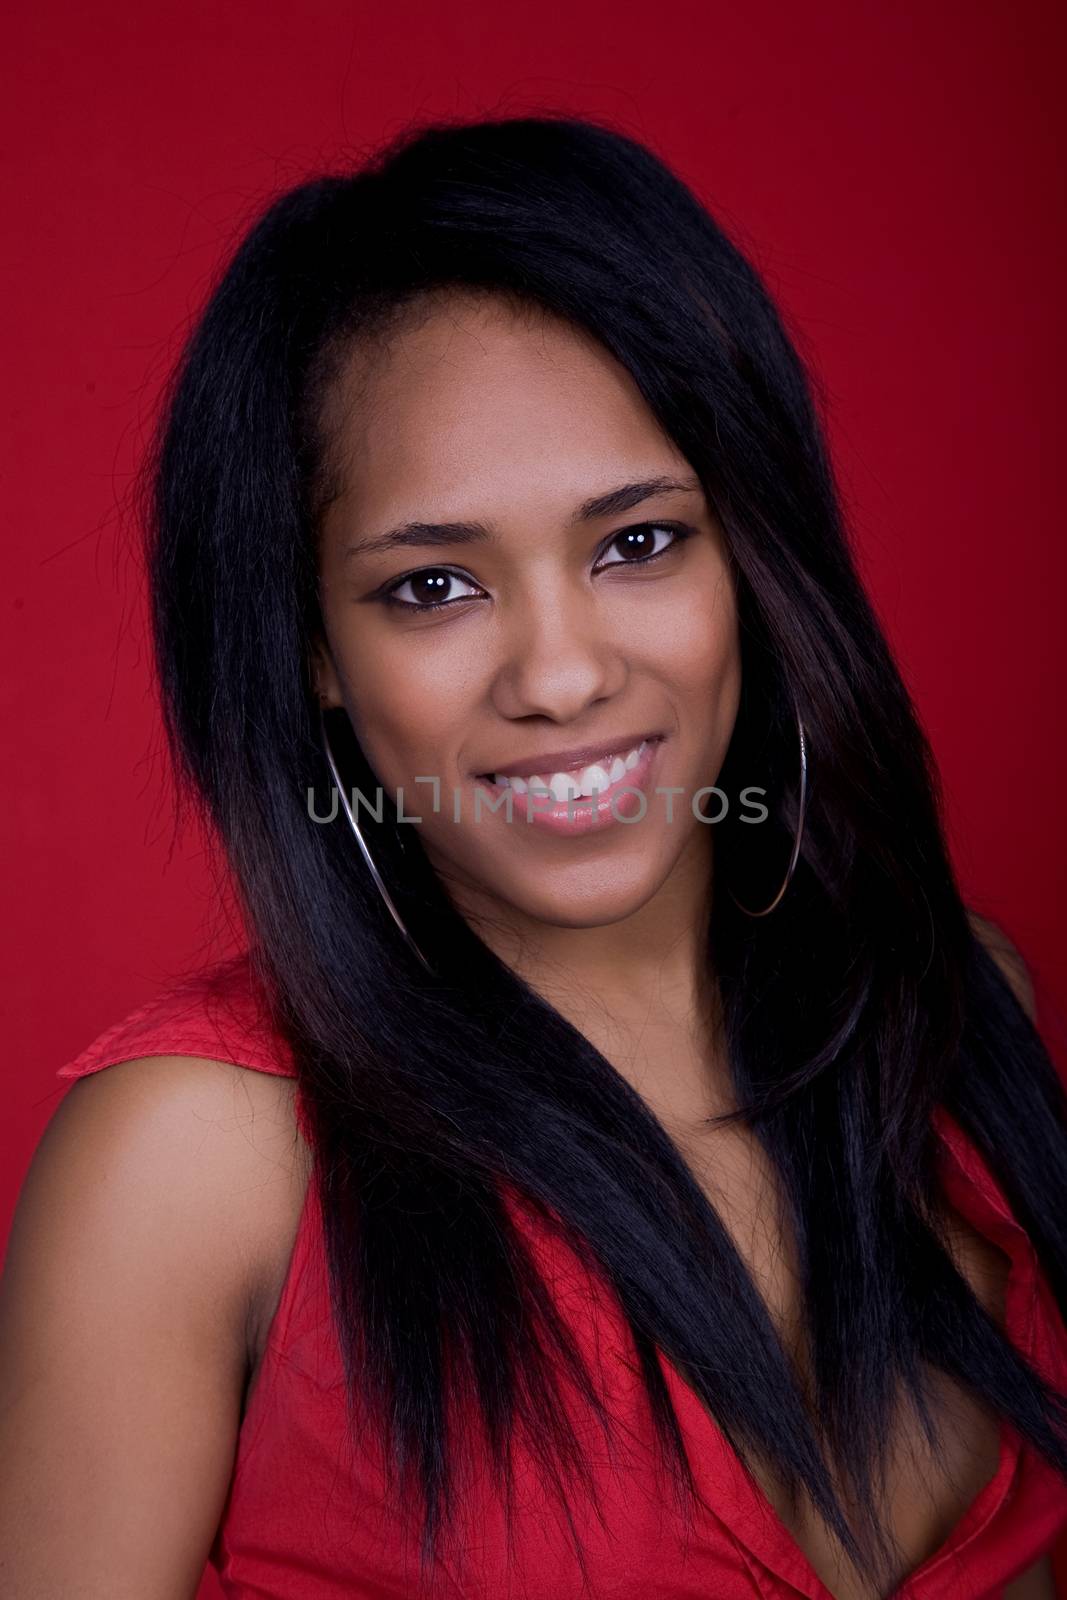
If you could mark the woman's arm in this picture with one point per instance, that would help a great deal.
(125, 1310)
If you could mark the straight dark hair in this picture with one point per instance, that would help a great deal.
(862, 1002)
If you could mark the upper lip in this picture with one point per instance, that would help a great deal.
(564, 760)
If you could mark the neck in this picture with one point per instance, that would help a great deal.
(640, 989)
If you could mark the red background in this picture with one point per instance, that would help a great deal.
(892, 169)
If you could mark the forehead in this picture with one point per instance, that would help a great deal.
(470, 395)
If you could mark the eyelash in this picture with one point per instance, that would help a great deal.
(680, 531)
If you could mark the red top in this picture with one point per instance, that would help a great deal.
(303, 1520)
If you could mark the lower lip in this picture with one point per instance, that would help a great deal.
(586, 814)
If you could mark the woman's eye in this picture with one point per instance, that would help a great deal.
(643, 543)
(430, 588)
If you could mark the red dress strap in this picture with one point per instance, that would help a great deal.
(221, 1012)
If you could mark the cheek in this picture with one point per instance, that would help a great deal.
(407, 701)
(693, 642)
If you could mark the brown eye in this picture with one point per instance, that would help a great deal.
(429, 588)
(642, 543)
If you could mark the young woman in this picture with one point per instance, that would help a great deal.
(620, 1164)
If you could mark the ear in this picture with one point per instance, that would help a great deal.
(324, 678)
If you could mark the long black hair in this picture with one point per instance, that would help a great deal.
(862, 1002)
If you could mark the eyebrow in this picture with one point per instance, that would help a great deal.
(611, 504)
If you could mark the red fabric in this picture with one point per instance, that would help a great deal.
(307, 1519)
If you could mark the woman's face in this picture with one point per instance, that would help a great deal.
(565, 634)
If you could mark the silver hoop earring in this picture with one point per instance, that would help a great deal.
(364, 852)
(799, 834)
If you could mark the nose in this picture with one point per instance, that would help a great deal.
(556, 656)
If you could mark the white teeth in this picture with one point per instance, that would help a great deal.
(577, 785)
(594, 777)
(564, 786)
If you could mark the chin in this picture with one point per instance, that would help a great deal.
(591, 896)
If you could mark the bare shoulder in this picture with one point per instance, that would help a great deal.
(148, 1229)
(199, 1141)
(1009, 960)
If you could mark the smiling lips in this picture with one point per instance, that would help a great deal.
(575, 782)
(582, 796)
